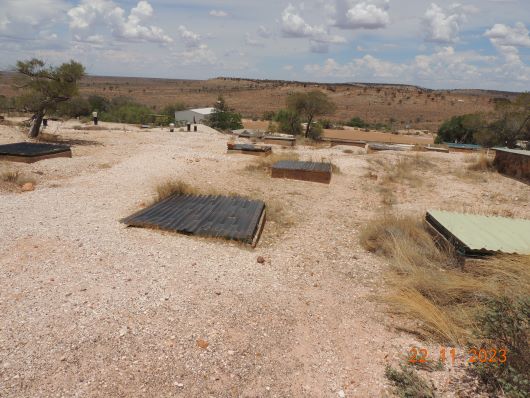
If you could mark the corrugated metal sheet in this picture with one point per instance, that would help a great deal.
(232, 218)
(31, 149)
(476, 234)
(516, 151)
(302, 166)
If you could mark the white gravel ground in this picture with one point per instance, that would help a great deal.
(91, 308)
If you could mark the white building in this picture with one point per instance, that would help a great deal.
(193, 115)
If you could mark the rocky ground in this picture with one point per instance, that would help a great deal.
(92, 308)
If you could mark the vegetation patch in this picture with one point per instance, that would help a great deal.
(408, 384)
(483, 304)
(264, 164)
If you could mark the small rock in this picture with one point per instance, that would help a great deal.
(123, 331)
(177, 384)
(260, 260)
(341, 394)
(28, 186)
(202, 344)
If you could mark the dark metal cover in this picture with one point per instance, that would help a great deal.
(232, 218)
(302, 166)
(250, 148)
(30, 149)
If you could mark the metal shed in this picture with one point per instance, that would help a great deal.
(193, 115)
(513, 162)
(473, 234)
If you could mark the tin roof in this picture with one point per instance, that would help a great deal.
(30, 149)
(231, 218)
(203, 111)
(516, 151)
(476, 234)
(305, 166)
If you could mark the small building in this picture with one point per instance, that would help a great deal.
(193, 115)
(513, 162)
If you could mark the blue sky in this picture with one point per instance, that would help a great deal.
(471, 44)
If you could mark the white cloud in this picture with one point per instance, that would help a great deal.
(201, 55)
(264, 32)
(502, 35)
(85, 17)
(359, 68)
(362, 15)
(294, 26)
(218, 13)
(444, 66)
(22, 18)
(443, 26)
(507, 40)
(250, 41)
(191, 39)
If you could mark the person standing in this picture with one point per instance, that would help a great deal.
(95, 118)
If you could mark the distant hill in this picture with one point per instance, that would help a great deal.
(394, 104)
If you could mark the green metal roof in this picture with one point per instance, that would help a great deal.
(517, 151)
(475, 234)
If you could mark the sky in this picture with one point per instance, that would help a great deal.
(442, 44)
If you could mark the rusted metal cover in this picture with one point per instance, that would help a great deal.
(306, 171)
(249, 149)
(232, 218)
(29, 152)
(513, 162)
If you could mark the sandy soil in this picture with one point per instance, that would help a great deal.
(353, 134)
(91, 308)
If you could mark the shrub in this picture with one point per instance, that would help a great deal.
(124, 110)
(408, 383)
(223, 118)
(288, 122)
(98, 103)
(268, 115)
(315, 132)
(481, 163)
(505, 324)
(76, 107)
(169, 110)
(356, 122)
(173, 187)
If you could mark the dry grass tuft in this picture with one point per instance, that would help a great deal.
(264, 164)
(173, 187)
(430, 285)
(481, 163)
(14, 178)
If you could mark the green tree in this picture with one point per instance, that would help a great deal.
(223, 118)
(98, 103)
(77, 106)
(357, 122)
(169, 110)
(460, 129)
(513, 120)
(45, 87)
(288, 122)
(310, 105)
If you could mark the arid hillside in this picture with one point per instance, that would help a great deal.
(398, 105)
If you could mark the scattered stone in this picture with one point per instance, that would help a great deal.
(260, 260)
(123, 331)
(28, 186)
(202, 344)
(341, 394)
